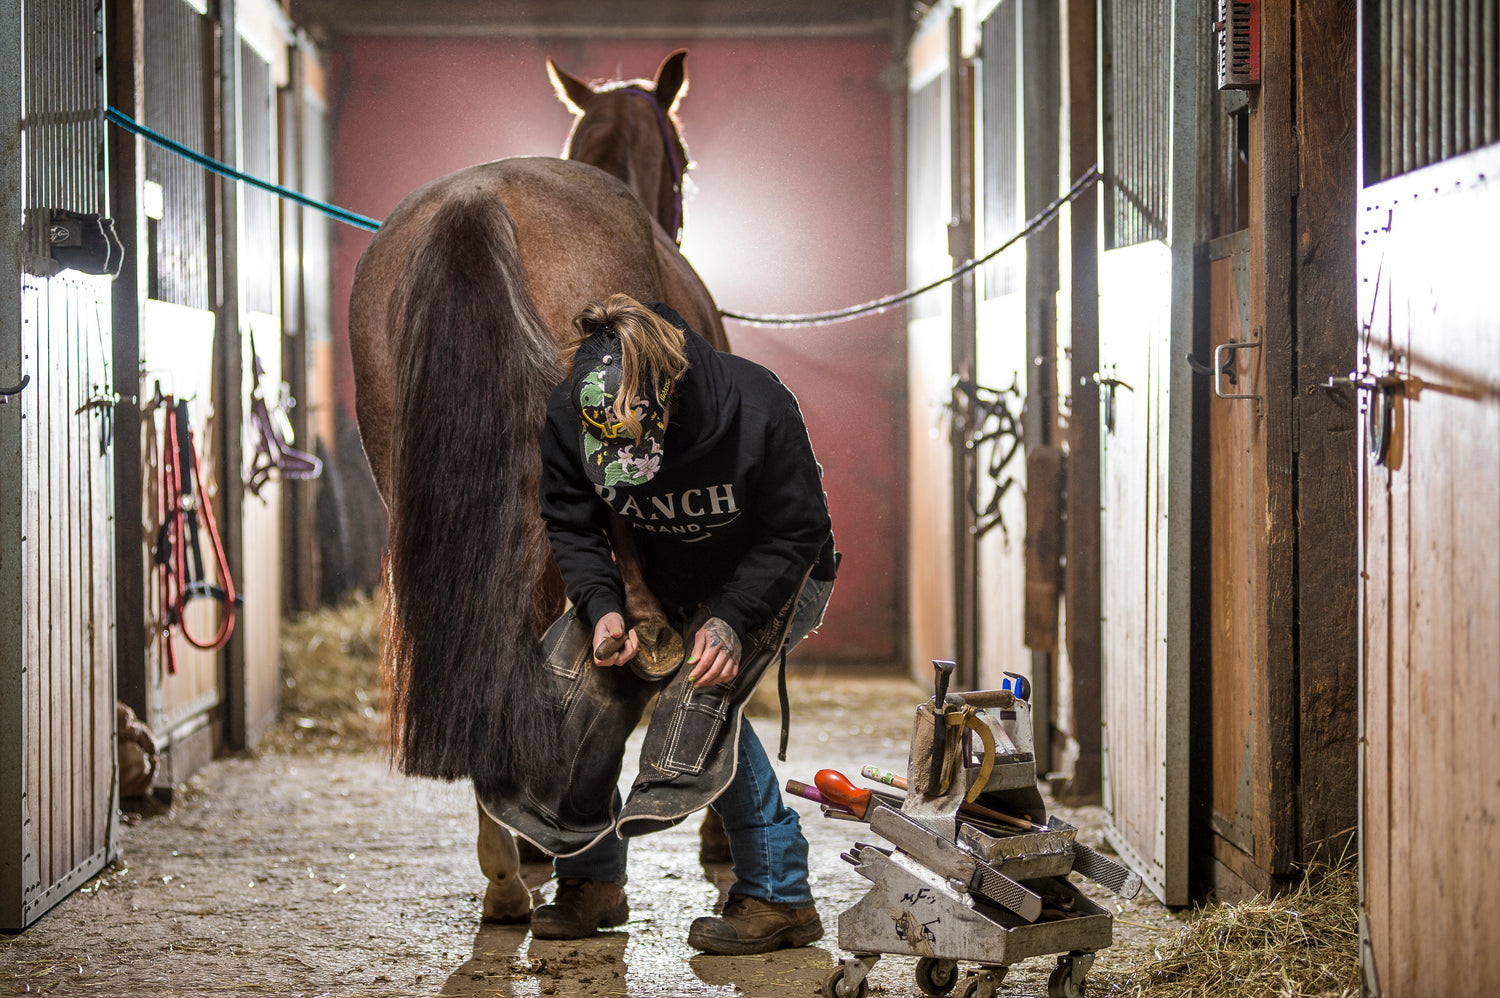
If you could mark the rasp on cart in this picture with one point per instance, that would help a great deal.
(946, 859)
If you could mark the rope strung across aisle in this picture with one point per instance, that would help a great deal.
(359, 221)
(333, 211)
(1041, 218)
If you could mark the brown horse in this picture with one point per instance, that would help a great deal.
(458, 306)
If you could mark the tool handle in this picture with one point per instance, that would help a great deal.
(883, 776)
(799, 789)
(836, 787)
(979, 811)
(609, 646)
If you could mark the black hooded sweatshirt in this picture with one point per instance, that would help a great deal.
(733, 519)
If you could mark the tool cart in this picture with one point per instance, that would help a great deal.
(975, 871)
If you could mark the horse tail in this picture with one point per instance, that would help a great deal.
(468, 550)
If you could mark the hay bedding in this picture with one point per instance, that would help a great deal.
(330, 669)
(1302, 944)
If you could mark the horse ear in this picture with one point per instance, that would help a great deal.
(671, 79)
(570, 90)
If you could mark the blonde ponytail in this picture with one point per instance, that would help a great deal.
(652, 350)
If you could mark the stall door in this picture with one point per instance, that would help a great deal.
(1428, 386)
(57, 623)
(1236, 546)
(1149, 92)
(1431, 479)
(181, 683)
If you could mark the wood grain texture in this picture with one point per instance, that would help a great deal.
(1432, 690)
(1236, 558)
(67, 613)
(1273, 184)
(1326, 324)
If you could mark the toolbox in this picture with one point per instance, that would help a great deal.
(974, 872)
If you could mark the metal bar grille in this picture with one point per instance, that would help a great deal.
(1436, 93)
(999, 65)
(926, 207)
(1137, 108)
(259, 262)
(176, 104)
(62, 117)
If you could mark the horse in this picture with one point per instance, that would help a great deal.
(458, 306)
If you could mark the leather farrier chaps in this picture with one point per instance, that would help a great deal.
(688, 757)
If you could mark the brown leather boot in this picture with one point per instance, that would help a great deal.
(581, 908)
(751, 925)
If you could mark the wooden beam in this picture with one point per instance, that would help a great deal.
(1326, 438)
(1273, 187)
(229, 368)
(1082, 584)
(126, 62)
(963, 355)
(575, 18)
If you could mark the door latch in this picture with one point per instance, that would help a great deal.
(1380, 406)
(1109, 385)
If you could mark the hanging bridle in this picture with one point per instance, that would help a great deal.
(679, 168)
(181, 501)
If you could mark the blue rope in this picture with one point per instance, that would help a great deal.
(333, 211)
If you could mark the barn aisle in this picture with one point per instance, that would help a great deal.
(310, 870)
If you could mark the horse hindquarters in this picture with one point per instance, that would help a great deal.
(468, 550)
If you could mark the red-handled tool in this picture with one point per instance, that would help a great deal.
(836, 787)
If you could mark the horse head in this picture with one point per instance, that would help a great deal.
(629, 129)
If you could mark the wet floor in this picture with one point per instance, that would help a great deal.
(322, 873)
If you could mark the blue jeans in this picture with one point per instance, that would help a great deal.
(765, 836)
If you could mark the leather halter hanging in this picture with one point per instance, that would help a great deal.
(181, 503)
(273, 436)
(679, 168)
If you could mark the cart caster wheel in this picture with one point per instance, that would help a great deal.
(834, 987)
(936, 977)
(982, 983)
(1066, 979)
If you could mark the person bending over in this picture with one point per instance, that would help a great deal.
(706, 457)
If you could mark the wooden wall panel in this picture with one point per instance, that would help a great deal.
(260, 618)
(1236, 556)
(929, 498)
(177, 359)
(1134, 351)
(1001, 359)
(1432, 606)
(63, 726)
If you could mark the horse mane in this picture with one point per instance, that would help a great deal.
(468, 691)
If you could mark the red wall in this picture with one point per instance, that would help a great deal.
(793, 207)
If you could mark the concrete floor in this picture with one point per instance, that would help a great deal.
(323, 873)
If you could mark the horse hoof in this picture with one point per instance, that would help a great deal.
(660, 651)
